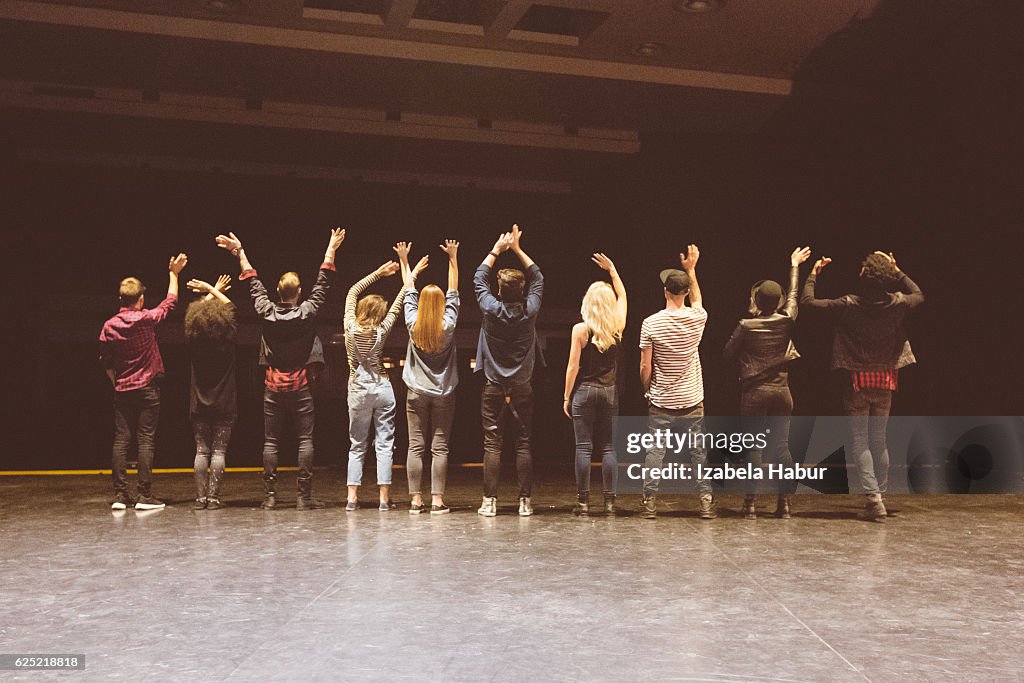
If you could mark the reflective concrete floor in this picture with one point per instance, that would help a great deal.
(245, 595)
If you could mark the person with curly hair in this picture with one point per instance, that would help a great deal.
(871, 345)
(210, 327)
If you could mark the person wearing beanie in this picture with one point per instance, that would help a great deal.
(763, 347)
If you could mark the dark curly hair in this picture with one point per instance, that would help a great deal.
(878, 273)
(210, 320)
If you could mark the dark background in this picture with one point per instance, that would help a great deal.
(903, 133)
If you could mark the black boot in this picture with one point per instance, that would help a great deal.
(782, 508)
(306, 501)
(609, 504)
(582, 507)
(269, 491)
(749, 506)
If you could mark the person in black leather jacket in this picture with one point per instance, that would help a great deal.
(763, 345)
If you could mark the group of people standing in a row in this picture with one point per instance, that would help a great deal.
(870, 344)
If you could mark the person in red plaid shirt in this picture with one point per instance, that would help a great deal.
(288, 347)
(871, 345)
(132, 359)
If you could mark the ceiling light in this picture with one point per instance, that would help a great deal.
(648, 49)
(697, 6)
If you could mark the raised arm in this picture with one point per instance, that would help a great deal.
(606, 263)
(451, 247)
(799, 255)
(386, 269)
(212, 291)
(572, 369)
(807, 297)
(912, 294)
(318, 295)
(260, 301)
(689, 261)
(160, 311)
(534, 278)
(481, 278)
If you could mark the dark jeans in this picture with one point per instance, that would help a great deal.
(136, 414)
(768, 407)
(499, 404)
(691, 419)
(211, 450)
(868, 410)
(279, 408)
(430, 426)
(593, 414)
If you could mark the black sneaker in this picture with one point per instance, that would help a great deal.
(214, 504)
(122, 502)
(309, 504)
(148, 503)
(648, 508)
(416, 509)
(441, 509)
(269, 502)
(200, 504)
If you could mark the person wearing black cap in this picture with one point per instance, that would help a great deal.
(871, 345)
(671, 374)
(763, 345)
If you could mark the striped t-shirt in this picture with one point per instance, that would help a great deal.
(677, 380)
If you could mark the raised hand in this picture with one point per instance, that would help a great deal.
(403, 249)
(177, 263)
(517, 235)
(603, 262)
(200, 286)
(420, 265)
(799, 255)
(451, 247)
(504, 243)
(223, 283)
(820, 264)
(388, 269)
(337, 237)
(229, 242)
(689, 258)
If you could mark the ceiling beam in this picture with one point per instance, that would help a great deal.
(277, 37)
(507, 18)
(297, 116)
(399, 13)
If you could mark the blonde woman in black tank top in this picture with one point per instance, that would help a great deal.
(590, 399)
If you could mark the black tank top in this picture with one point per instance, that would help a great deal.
(599, 367)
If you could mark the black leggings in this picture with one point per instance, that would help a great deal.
(759, 404)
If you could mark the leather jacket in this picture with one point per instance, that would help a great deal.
(764, 345)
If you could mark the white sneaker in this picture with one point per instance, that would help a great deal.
(489, 508)
(525, 509)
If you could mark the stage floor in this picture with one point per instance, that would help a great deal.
(242, 594)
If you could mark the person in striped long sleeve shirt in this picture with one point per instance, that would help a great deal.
(371, 398)
(134, 366)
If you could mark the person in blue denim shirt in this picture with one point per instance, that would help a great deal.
(431, 374)
(371, 398)
(506, 354)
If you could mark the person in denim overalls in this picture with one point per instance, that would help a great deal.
(371, 398)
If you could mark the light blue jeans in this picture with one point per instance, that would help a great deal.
(371, 415)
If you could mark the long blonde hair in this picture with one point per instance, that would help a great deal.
(428, 332)
(598, 311)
